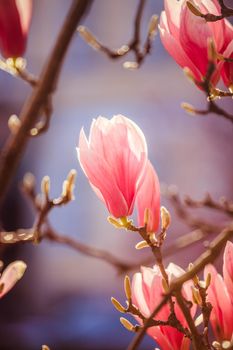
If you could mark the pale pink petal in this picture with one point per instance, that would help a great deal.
(175, 49)
(223, 298)
(228, 34)
(222, 313)
(148, 197)
(174, 271)
(227, 67)
(156, 294)
(11, 275)
(138, 296)
(99, 174)
(228, 268)
(160, 338)
(194, 35)
(25, 11)
(172, 10)
(218, 27)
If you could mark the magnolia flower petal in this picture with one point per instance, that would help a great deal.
(227, 67)
(228, 267)
(149, 198)
(138, 296)
(175, 49)
(14, 24)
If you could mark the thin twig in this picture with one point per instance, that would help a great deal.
(16, 144)
(210, 17)
(222, 205)
(180, 208)
(134, 44)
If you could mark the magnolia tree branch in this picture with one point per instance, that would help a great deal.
(195, 223)
(211, 92)
(42, 230)
(207, 257)
(222, 204)
(16, 143)
(134, 44)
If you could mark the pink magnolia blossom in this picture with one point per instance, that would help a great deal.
(15, 16)
(147, 292)
(220, 295)
(10, 276)
(185, 36)
(113, 159)
(227, 68)
(149, 198)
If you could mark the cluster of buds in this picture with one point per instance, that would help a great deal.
(130, 308)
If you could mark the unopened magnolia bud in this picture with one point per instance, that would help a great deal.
(153, 26)
(118, 305)
(45, 347)
(226, 344)
(217, 345)
(194, 9)
(68, 185)
(199, 320)
(123, 50)
(34, 132)
(10, 62)
(29, 181)
(14, 123)
(189, 74)
(130, 65)
(89, 37)
(114, 222)
(141, 245)
(127, 288)
(165, 218)
(202, 284)
(188, 108)
(128, 325)
(196, 296)
(20, 63)
(45, 186)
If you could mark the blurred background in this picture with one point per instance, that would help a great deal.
(64, 298)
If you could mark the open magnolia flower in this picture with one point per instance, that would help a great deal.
(11, 275)
(114, 158)
(220, 295)
(15, 17)
(147, 292)
(186, 36)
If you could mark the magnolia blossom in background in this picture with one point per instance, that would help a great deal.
(185, 36)
(147, 292)
(113, 159)
(15, 17)
(11, 275)
(148, 198)
(227, 69)
(220, 295)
